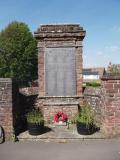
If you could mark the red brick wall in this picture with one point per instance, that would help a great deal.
(6, 114)
(79, 67)
(52, 105)
(41, 71)
(111, 105)
(105, 101)
(51, 110)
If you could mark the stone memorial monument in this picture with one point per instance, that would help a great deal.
(60, 67)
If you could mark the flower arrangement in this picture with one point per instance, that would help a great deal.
(60, 117)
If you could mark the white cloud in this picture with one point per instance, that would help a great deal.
(84, 56)
(100, 53)
(116, 29)
(113, 48)
(107, 50)
(103, 56)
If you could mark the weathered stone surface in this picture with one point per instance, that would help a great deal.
(29, 91)
(60, 75)
(68, 30)
(93, 97)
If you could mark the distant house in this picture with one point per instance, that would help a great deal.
(93, 73)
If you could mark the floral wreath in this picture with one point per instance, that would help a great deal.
(60, 117)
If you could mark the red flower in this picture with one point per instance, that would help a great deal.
(60, 116)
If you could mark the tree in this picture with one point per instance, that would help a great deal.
(18, 52)
(113, 69)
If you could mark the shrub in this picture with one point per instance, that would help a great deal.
(86, 115)
(93, 84)
(35, 117)
(114, 70)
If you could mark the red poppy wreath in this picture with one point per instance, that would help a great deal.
(60, 117)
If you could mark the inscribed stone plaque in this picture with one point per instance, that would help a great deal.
(60, 75)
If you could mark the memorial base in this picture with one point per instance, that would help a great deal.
(52, 105)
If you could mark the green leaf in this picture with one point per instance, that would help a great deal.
(18, 52)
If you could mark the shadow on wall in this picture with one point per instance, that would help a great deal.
(22, 104)
(26, 104)
(2, 135)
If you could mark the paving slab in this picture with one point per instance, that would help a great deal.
(61, 133)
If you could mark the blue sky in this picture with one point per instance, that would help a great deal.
(100, 19)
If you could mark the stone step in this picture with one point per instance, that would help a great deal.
(59, 134)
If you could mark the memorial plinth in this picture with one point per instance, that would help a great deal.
(60, 67)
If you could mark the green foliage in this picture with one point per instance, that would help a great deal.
(18, 52)
(86, 115)
(93, 84)
(114, 69)
(35, 117)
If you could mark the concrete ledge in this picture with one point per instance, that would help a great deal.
(61, 104)
(46, 97)
(110, 77)
(5, 80)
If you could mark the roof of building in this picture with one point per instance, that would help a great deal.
(90, 73)
(94, 71)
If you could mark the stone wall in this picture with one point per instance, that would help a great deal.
(104, 100)
(93, 97)
(106, 103)
(6, 106)
(25, 104)
(14, 104)
(29, 91)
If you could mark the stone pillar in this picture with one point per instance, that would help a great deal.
(111, 105)
(6, 110)
(56, 41)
